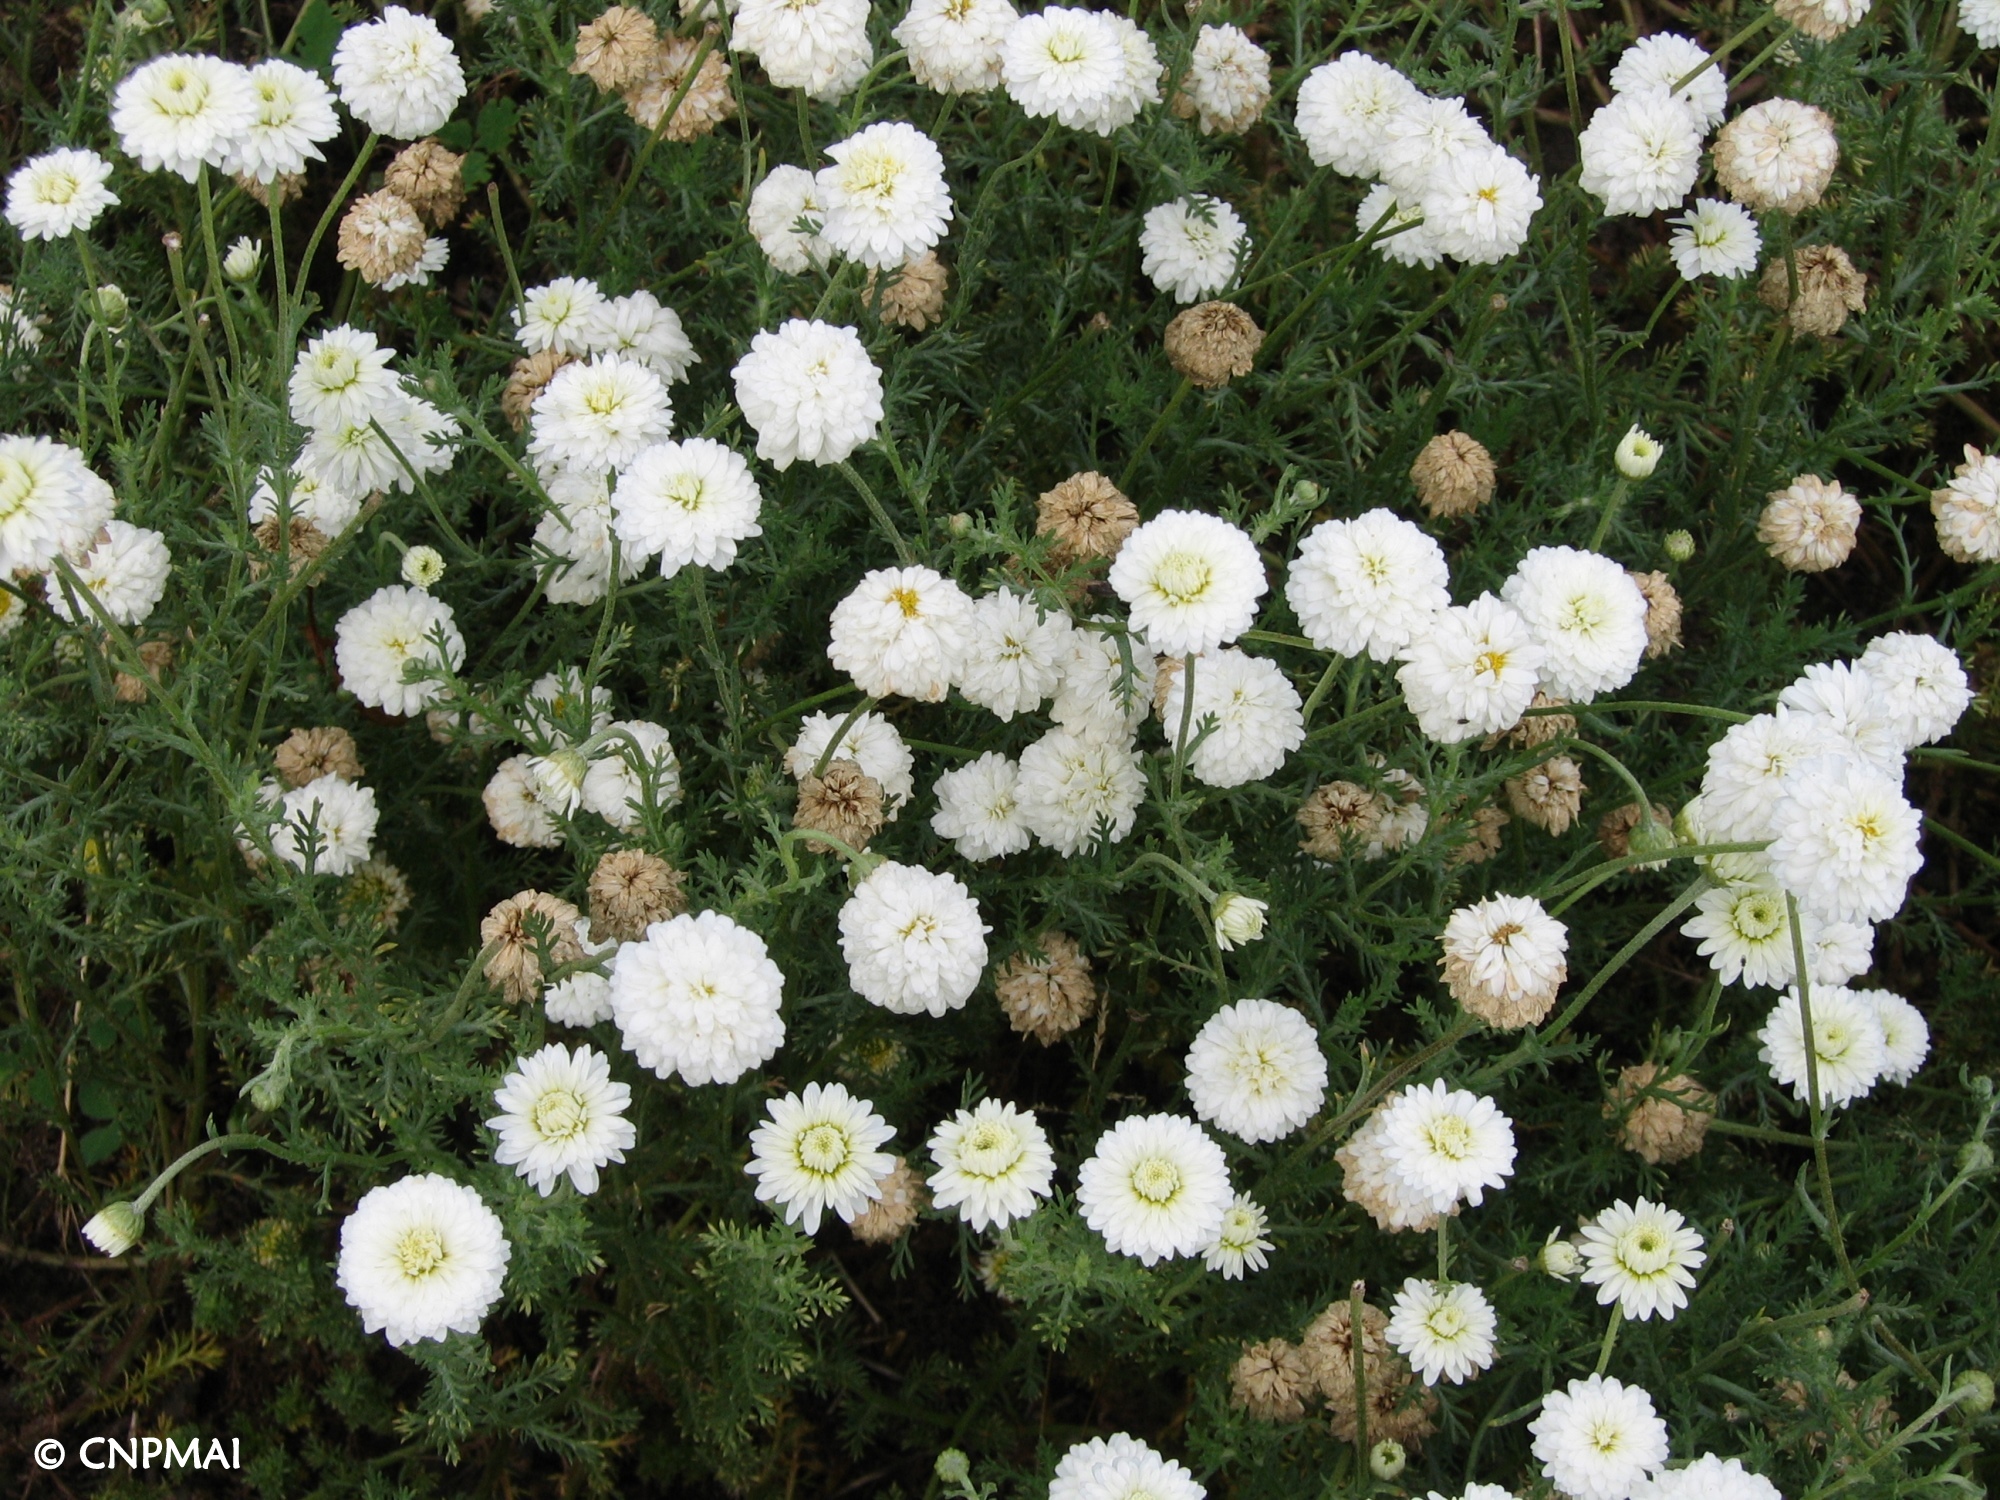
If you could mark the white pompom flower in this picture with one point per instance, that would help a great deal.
(1120, 1467)
(57, 193)
(885, 196)
(913, 940)
(1444, 1329)
(954, 45)
(786, 198)
(1367, 585)
(979, 808)
(634, 769)
(1641, 153)
(1192, 581)
(1079, 788)
(902, 631)
(295, 116)
(422, 1258)
(383, 636)
(1715, 238)
(1587, 615)
(1655, 64)
(820, 46)
(51, 503)
(1446, 1146)
(1849, 1046)
(327, 826)
(1922, 682)
(1064, 62)
(1190, 248)
(398, 74)
(1479, 206)
(568, 315)
(1247, 715)
(1256, 1071)
(598, 415)
(688, 503)
(179, 112)
(125, 570)
(1598, 1438)
(1906, 1035)
(1473, 670)
(993, 1164)
(1344, 110)
(1015, 654)
(699, 997)
(1845, 841)
(808, 390)
(1156, 1188)
(561, 1115)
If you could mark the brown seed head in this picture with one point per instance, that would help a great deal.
(1270, 1382)
(380, 237)
(1454, 474)
(1829, 289)
(1660, 1129)
(1538, 729)
(158, 658)
(427, 177)
(706, 104)
(529, 376)
(890, 1216)
(308, 754)
(1341, 817)
(1212, 342)
(1087, 515)
(1327, 1351)
(286, 185)
(1047, 998)
(1484, 825)
(378, 891)
(629, 891)
(844, 801)
(517, 929)
(306, 540)
(914, 297)
(614, 50)
(1663, 613)
(1548, 795)
(1614, 829)
(1810, 524)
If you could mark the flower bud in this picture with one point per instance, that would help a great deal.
(958, 523)
(1238, 919)
(1306, 493)
(115, 1228)
(1975, 1157)
(1975, 1393)
(1386, 1460)
(1560, 1259)
(109, 305)
(244, 260)
(1638, 454)
(953, 1467)
(422, 567)
(1680, 545)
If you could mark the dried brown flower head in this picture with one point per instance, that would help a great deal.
(1327, 1351)
(1796, 139)
(1829, 289)
(377, 891)
(844, 801)
(526, 381)
(1816, 18)
(158, 658)
(1212, 343)
(614, 50)
(1454, 474)
(1810, 524)
(1663, 612)
(629, 891)
(1400, 1411)
(306, 543)
(308, 754)
(1270, 1382)
(706, 104)
(427, 176)
(286, 185)
(1660, 1129)
(1614, 829)
(1547, 795)
(1484, 825)
(1087, 515)
(890, 1216)
(517, 930)
(1538, 728)
(1341, 817)
(1047, 998)
(914, 297)
(380, 237)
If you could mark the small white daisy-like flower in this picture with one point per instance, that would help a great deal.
(993, 1162)
(516, 809)
(1844, 699)
(1708, 1478)
(1747, 769)
(1252, 716)
(1078, 788)
(1742, 928)
(381, 449)
(1403, 236)
(885, 196)
(871, 742)
(820, 46)
(1239, 1245)
(1421, 137)
(1504, 959)
(1967, 510)
(308, 498)
(819, 1151)
(177, 112)
(598, 415)
(57, 193)
(1107, 682)
(1065, 62)
(1845, 841)
(567, 315)
(1367, 585)
(979, 808)
(1228, 81)
(1237, 919)
(1192, 581)
(340, 378)
(687, 503)
(1906, 1035)
(1140, 83)
(1190, 248)
(639, 326)
(1256, 1071)
(1344, 110)
(1156, 1187)
(698, 996)
(50, 503)
(294, 115)
(422, 1258)
(1473, 670)
(561, 1115)
(577, 530)
(954, 45)
(808, 390)
(1479, 205)
(114, 1229)
(559, 779)
(1587, 615)
(1715, 238)
(1015, 654)
(1850, 1047)
(1599, 1438)
(913, 940)
(1444, 1329)
(1120, 1468)
(1654, 64)
(583, 999)
(1641, 153)
(327, 824)
(1922, 683)
(125, 570)
(385, 633)
(787, 196)
(398, 74)
(1779, 154)
(1643, 1257)
(635, 768)
(902, 631)
(1446, 1146)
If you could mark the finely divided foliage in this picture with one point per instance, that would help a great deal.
(664, 667)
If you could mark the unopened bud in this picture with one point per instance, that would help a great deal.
(1638, 454)
(109, 305)
(958, 524)
(1975, 1392)
(1238, 919)
(1975, 1157)
(1306, 493)
(172, 241)
(1560, 1259)
(115, 1228)
(1680, 545)
(1387, 1459)
(244, 260)
(953, 1467)
(422, 567)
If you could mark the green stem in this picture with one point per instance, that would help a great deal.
(1618, 493)
(1610, 1337)
(904, 554)
(1815, 1109)
(1166, 415)
(1715, 58)
(333, 207)
(833, 744)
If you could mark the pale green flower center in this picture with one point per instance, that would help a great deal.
(1182, 578)
(990, 1149)
(1644, 1250)
(688, 492)
(824, 1149)
(1758, 917)
(1156, 1180)
(1445, 1322)
(420, 1253)
(559, 1115)
(17, 485)
(1450, 1137)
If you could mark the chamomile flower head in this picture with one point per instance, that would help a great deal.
(820, 1151)
(1641, 153)
(1708, 1478)
(954, 45)
(1906, 1035)
(342, 377)
(422, 1258)
(785, 198)
(1256, 1071)
(1922, 684)
(1479, 204)
(1779, 154)
(1748, 767)
(1189, 248)
(1422, 136)
(808, 390)
(1065, 62)
(1077, 788)
(1156, 1187)
(1849, 1046)
(913, 940)
(308, 497)
(1845, 841)
(820, 46)
(1228, 81)
(566, 316)
(1844, 699)
(1444, 1329)
(516, 807)
(1107, 682)
(392, 630)
(639, 326)
(177, 112)
(1587, 615)
(902, 631)
(1015, 654)
(1504, 959)
(1403, 236)
(870, 741)
(1446, 1146)
(598, 415)
(635, 768)
(1715, 238)
(1967, 509)
(1473, 670)
(294, 116)
(561, 1115)
(1742, 928)
(379, 450)
(885, 196)
(993, 1164)
(1641, 1256)
(1239, 1245)
(698, 997)
(1252, 716)
(50, 503)
(688, 503)
(1192, 581)
(1344, 110)
(979, 808)
(58, 193)
(327, 826)
(1655, 64)
(576, 532)
(1120, 1468)
(1599, 1438)
(1367, 586)
(398, 74)
(125, 570)
(1980, 19)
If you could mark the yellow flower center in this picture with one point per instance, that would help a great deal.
(907, 601)
(420, 1253)
(824, 1149)
(1157, 1180)
(1644, 1250)
(559, 1115)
